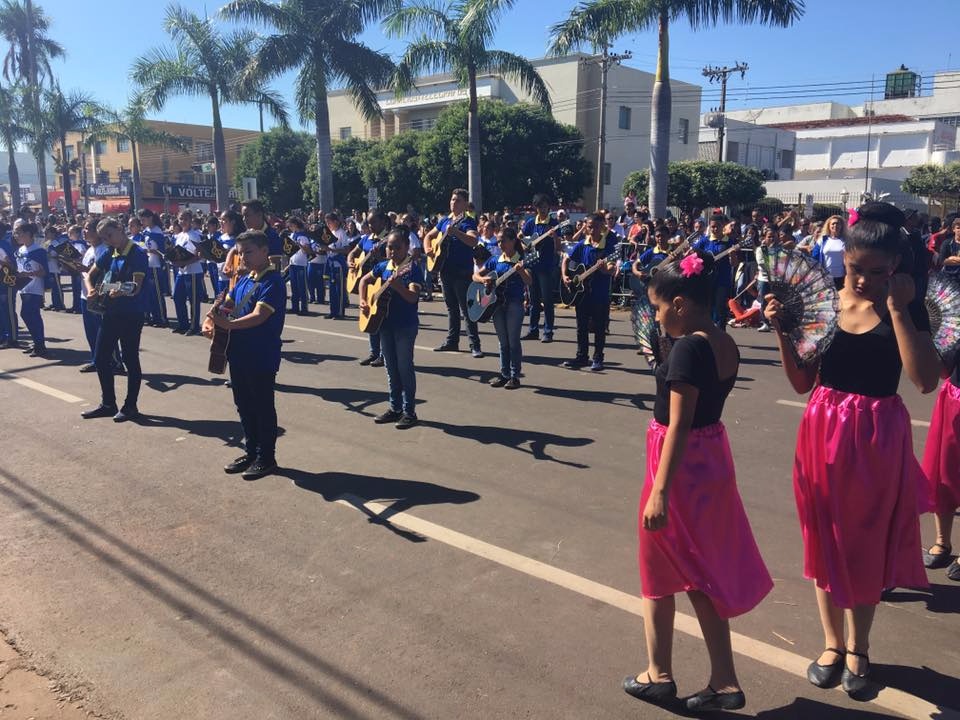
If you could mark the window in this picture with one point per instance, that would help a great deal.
(103, 177)
(346, 133)
(624, 118)
(684, 131)
(123, 145)
(204, 151)
(100, 147)
(71, 152)
(606, 173)
(416, 124)
(733, 152)
(239, 150)
(125, 176)
(786, 159)
(187, 141)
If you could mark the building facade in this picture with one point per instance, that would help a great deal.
(770, 150)
(573, 82)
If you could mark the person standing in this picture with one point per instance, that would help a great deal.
(54, 240)
(31, 261)
(317, 266)
(717, 240)
(91, 320)
(255, 217)
(337, 266)
(461, 230)
(298, 267)
(380, 225)
(253, 312)
(8, 292)
(544, 274)
(828, 249)
(231, 225)
(155, 243)
(186, 288)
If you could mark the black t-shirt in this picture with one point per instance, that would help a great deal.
(955, 375)
(868, 363)
(691, 361)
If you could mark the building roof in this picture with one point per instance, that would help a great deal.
(843, 122)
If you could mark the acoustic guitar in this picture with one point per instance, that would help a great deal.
(97, 303)
(378, 299)
(483, 300)
(571, 294)
(440, 248)
(532, 242)
(219, 339)
(363, 263)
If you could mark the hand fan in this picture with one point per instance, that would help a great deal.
(654, 345)
(943, 307)
(809, 297)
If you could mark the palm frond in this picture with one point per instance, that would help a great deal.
(261, 12)
(426, 56)
(364, 70)
(600, 22)
(510, 65)
(160, 74)
(425, 16)
(481, 16)
(707, 13)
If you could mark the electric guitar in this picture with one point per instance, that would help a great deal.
(483, 299)
(571, 293)
(378, 299)
(440, 247)
(363, 263)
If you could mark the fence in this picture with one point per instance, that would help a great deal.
(836, 200)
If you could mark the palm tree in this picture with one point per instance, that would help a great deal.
(453, 38)
(61, 115)
(318, 38)
(131, 124)
(599, 18)
(12, 131)
(27, 61)
(204, 62)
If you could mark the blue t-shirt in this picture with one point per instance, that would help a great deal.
(401, 312)
(548, 248)
(586, 253)
(723, 272)
(513, 287)
(459, 255)
(368, 242)
(274, 241)
(258, 349)
(122, 265)
(651, 258)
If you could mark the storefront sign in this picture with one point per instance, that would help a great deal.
(180, 191)
(117, 189)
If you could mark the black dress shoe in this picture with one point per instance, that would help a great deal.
(377, 362)
(239, 465)
(935, 561)
(88, 368)
(191, 332)
(179, 331)
(100, 411)
(655, 692)
(825, 676)
(367, 360)
(855, 685)
(407, 421)
(531, 335)
(39, 351)
(126, 413)
(260, 468)
(710, 700)
(953, 572)
(447, 347)
(390, 416)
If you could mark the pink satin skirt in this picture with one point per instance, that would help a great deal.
(941, 456)
(707, 544)
(859, 492)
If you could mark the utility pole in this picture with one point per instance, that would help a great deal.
(605, 60)
(721, 74)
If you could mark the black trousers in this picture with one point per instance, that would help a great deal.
(592, 315)
(126, 330)
(455, 284)
(253, 394)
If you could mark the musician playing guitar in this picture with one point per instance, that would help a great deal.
(718, 239)
(460, 232)
(594, 308)
(544, 277)
(398, 333)
(369, 251)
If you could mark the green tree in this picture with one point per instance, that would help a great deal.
(596, 18)
(278, 160)
(319, 39)
(61, 115)
(396, 168)
(933, 180)
(203, 62)
(349, 188)
(693, 186)
(454, 38)
(27, 63)
(12, 131)
(131, 124)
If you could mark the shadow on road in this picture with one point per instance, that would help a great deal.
(165, 382)
(926, 683)
(939, 598)
(301, 357)
(350, 398)
(361, 489)
(266, 648)
(799, 709)
(228, 432)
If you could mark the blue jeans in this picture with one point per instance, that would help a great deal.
(75, 283)
(375, 344)
(56, 290)
(762, 289)
(186, 289)
(214, 274)
(91, 328)
(30, 313)
(508, 322)
(125, 330)
(455, 284)
(541, 292)
(315, 286)
(396, 344)
(298, 288)
(721, 311)
(8, 313)
(338, 290)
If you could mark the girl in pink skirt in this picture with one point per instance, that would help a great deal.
(941, 465)
(694, 535)
(858, 487)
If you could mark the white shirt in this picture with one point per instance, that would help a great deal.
(225, 242)
(53, 265)
(89, 258)
(831, 253)
(299, 258)
(341, 241)
(415, 242)
(26, 265)
(188, 241)
(154, 261)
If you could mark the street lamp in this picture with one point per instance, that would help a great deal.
(844, 198)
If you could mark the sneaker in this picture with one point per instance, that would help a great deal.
(191, 332)
(596, 365)
(512, 384)
(367, 360)
(547, 339)
(764, 327)
(407, 421)
(498, 381)
(388, 417)
(476, 351)
(575, 364)
(377, 362)
(531, 335)
(39, 351)
(239, 465)
(448, 347)
(260, 468)
(179, 331)
(732, 322)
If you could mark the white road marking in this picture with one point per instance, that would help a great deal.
(343, 335)
(794, 403)
(40, 387)
(890, 699)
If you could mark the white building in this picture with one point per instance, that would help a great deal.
(574, 87)
(770, 150)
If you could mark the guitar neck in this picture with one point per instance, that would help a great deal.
(399, 273)
(506, 276)
(731, 249)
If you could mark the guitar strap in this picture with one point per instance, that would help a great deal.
(240, 303)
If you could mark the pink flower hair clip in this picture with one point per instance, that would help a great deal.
(853, 217)
(691, 265)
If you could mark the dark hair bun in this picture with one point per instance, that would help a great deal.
(882, 212)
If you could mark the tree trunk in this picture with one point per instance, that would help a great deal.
(137, 191)
(325, 202)
(65, 176)
(14, 174)
(474, 178)
(220, 158)
(30, 59)
(661, 107)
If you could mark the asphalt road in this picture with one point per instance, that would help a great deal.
(481, 565)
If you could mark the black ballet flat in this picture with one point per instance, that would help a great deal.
(710, 700)
(826, 676)
(653, 692)
(935, 561)
(855, 685)
(953, 572)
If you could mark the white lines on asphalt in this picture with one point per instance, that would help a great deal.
(794, 403)
(888, 698)
(41, 388)
(342, 335)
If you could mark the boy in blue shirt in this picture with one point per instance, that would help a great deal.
(32, 262)
(544, 277)
(253, 312)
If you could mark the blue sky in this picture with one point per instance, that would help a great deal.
(837, 41)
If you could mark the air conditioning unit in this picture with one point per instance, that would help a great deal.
(713, 120)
